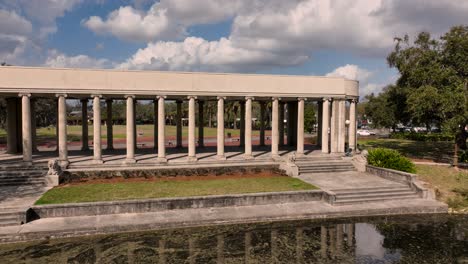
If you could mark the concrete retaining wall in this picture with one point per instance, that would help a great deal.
(402, 177)
(169, 171)
(157, 205)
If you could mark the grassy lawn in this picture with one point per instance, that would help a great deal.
(169, 188)
(74, 132)
(436, 151)
(451, 185)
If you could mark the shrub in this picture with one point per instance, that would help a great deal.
(390, 159)
(464, 156)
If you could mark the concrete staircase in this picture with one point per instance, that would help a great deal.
(18, 175)
(373, 194)
(323, 164)
(12, 217)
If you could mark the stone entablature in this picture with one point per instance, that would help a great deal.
(149, 84)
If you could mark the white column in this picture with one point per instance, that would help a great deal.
(191, 129)
(220, 129)
(97, 147)
(242, 124)
(274, 128)
(130, 129)
(352, 125)
(333, 127)
(248, 128)
(62, 130)
(341, 126)
(155, 124)
(84, 125)
(26, 128)
(300, 126)
(325, 124)
(161, 129)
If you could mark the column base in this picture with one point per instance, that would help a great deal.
(248, 157)
(192, 159)
(299, 154)
(64, 163)
(130, 161)
(98, 161)
(220, 157)
(27, 163)
(162, 160)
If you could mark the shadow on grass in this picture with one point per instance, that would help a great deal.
(435, 151)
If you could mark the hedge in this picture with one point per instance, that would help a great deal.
(390, 159)
(433, 137)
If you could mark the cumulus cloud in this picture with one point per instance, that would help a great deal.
(14, 32)
(201, 55)
(26, 25)
(354, 72)
(56, 59)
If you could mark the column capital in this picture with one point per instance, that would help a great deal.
(96, 95)
(61, 95)
(221, 97)
(249, 97)
(302, 99)
(326, 99)
(192, 97)
(129, 96)
(161, 96)
(354, 100)
(276, 98)
(24, 94)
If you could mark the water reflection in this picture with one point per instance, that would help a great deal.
(416, 239)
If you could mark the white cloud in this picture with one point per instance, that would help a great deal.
(26, 25)
(354, 72)
(199, 54)
(56, 59)
(14, 32)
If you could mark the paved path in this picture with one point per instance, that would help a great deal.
(20, 197)
(73, 226)
(347, 180)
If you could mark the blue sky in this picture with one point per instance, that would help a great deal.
(307, 37)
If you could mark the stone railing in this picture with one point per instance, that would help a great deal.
(402, 177)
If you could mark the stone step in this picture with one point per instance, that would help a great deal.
(366, 189)
(324, 170)
(22, 172)
(21, 183)
(11, 218)
(369, 200)
(22, 167)
(374, 191)
(329, 166)
(13, 176)
(374, 195)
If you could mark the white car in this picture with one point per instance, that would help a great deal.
(362, 132)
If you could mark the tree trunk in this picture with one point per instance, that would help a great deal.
(461, 136)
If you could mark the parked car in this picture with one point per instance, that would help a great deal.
(362, 132)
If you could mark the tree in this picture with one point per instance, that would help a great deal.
(309, 117)
(433, 78)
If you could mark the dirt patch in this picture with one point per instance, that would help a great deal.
(237, 175)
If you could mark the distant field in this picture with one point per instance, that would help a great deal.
(119, 132)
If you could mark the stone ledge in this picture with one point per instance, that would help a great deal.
(165, 204)
(409, 179)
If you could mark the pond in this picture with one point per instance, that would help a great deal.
(397, 239)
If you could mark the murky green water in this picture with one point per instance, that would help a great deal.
(409, 239)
